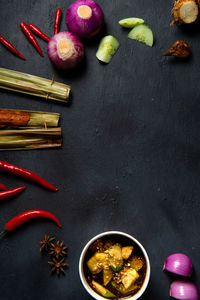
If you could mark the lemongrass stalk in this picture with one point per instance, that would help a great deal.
(43, 119)
(33, 85)
(35, 118)
(30, 139)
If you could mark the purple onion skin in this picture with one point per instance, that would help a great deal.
(74, 59)
(184, 290)
(84, 28)
(179, 264)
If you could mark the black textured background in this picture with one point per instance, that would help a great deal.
(130, 155)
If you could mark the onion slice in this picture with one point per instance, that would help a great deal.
(179, 263)
(65, 50)
(184, 289)
(85, 18)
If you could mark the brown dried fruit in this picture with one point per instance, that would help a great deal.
(180, 49)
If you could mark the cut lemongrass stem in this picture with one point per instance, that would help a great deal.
(30, 139)
(28, 118)
(33, 85)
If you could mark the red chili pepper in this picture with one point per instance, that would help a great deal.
(38, 32)
(19, 220)
(3, 187)
(12, 169)
(10, 47)
(58, 17)
(30, 37)
(10, 193)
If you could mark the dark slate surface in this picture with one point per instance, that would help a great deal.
(130, 156)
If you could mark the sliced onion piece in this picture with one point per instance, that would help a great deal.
(179, 263)
(65, 50)
(183, 289)
(85, 18)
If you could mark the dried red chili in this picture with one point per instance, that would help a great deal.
(58, 17)
(19, 220)
(38, 32)
(12, 169)
(30, 37)
(10, 47)
(10, 193)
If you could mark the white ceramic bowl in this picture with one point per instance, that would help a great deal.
(82, 257)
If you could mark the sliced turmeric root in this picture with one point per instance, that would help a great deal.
(185, 11)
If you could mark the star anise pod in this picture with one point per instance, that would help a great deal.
(57, 266)
(46, 243)
(58, 249)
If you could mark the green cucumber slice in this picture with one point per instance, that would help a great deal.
(117, 269)
(143, 34)
(102, 290)
(120, 288)
(97, 262)
(115, 257)
(107, 276)
(130, 22)
(107, 48)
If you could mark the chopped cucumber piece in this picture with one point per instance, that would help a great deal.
(129, 277)
(115, 257)
(120, 288)
(97, 262)
(137, 263)
(117, 269)
(130, 22)
(94, 266)
(127, 251)
(143, 34)
(107, 276)
(102, 290)
(107, 48)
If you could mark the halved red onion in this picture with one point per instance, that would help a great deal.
(184, 289)
(85, 18)
(65, 50)
(178, 263)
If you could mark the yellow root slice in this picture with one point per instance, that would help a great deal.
(185, 11)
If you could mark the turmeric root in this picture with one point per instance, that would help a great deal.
(185, 11)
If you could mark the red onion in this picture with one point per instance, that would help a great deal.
(184, 289)
(65, 50)
(178, 263)
(85, 18)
